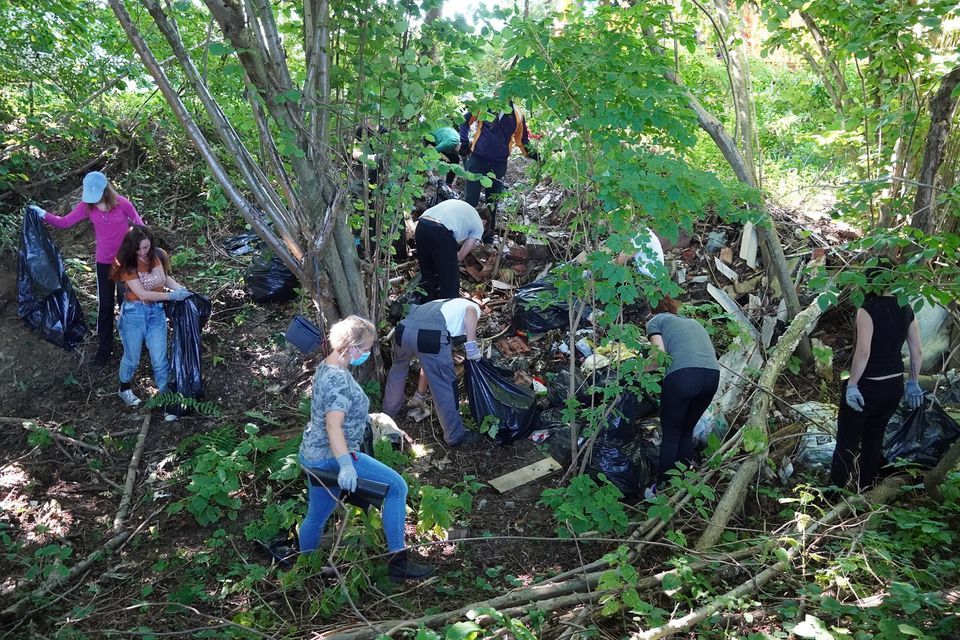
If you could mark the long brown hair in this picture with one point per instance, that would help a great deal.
(127, 254)
(109, 198)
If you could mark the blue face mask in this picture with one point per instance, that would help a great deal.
(361, 359)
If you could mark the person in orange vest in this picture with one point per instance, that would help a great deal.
(488, 151)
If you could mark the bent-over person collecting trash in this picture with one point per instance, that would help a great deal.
(428, 332)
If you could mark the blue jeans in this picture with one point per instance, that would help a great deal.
(141, 323)
(323, 501)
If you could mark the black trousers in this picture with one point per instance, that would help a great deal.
(861, 432)
(471, 190)
(684, 395)
(437, 255)
(452, 157)
(107, 297)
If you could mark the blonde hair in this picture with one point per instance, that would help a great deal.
(351, 331)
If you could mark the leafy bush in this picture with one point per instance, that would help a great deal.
(584, 506)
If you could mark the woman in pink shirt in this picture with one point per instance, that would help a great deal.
(111, 216)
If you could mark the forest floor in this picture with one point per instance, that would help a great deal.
(59, 493)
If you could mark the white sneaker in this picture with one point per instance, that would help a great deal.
(169, 417)
(129, 398)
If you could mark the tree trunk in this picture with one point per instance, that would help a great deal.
(759, 411)
(311, 211)
(828, 60)
(739, 65)
(942, 107)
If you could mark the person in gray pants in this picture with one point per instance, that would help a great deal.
(427, 332)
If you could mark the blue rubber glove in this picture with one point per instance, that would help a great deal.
(37, 210)
(473, 351)
(347, 478)
(914, 394)
(854, 398)
(179, 294)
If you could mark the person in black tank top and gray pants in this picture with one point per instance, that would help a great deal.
(875, 387)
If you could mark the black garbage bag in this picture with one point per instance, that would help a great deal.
(46, 300)
(270, 281)
(491, 393)
(538, 308)
(243, 244)
(920, 436)
(188, 318)
(619, 452)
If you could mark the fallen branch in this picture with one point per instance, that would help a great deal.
(933, 478)
(131, 476)
(759, 410)
(29, 426)
(21, 606)
(798, 544)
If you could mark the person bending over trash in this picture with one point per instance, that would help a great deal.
(446, 140)
(143, 270)
(110, 215)
(689, 382)
(648, 256)
(427, 332)
(339, 411)
(445, 234)
(875, 387)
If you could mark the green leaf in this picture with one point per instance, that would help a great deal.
(463, 631)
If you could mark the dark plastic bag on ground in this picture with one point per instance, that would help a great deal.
(243, 244)
(46, 300)
(617, 452)
(270, 281)
(188, 318)
(537, 308)
(493, 394)
(920, 436)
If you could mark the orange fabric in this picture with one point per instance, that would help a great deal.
(517, 133)
(159, 259)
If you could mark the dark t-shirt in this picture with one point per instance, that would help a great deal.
(890, 324)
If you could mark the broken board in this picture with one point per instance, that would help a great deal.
(526, 474)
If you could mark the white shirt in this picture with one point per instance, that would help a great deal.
(458, 216)
(454, 311)
(650, 252)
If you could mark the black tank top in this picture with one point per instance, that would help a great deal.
(890, 323)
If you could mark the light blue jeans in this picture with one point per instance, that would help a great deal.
(323, 501)
(141, 323)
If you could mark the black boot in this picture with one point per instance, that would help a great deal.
(402, 567)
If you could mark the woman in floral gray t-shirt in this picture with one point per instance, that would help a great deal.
(331, 441)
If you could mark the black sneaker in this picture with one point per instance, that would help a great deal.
(470, 437)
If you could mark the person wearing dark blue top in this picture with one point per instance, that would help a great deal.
(489, 149)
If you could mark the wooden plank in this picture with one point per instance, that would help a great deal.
(730, 306)
(766, 331)
(525, 474)
(749, 244)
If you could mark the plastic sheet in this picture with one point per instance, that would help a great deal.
(188, 318)
(492, 393)
(46, 300)
(920, 436)
(537, 308)
(270, 281)
(243, 244)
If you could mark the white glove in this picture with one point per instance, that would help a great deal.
(37, 210)
(179, 294)
(473, 351)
